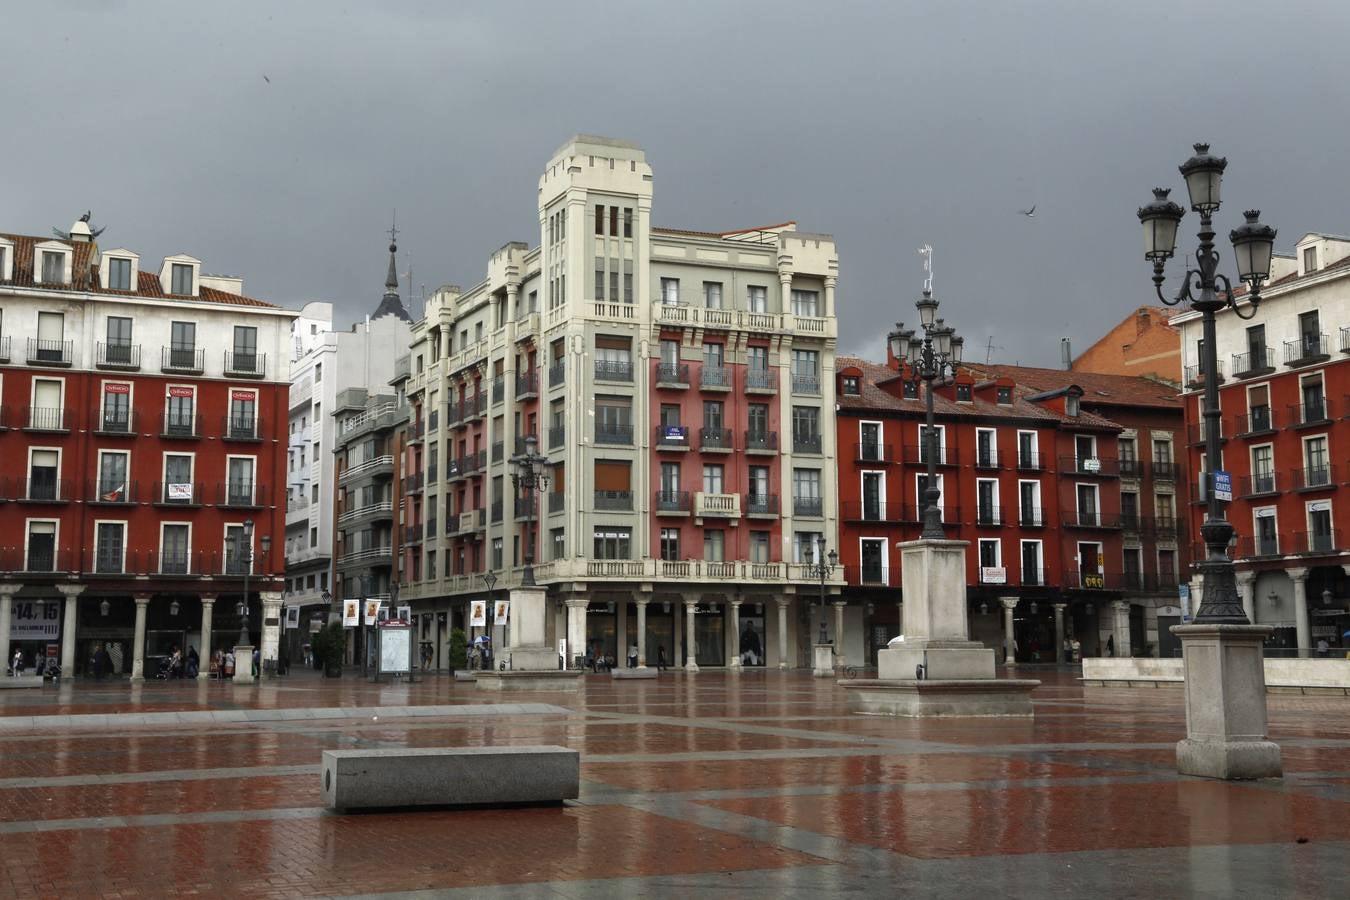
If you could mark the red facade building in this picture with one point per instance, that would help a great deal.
(1057, 491)
(143, 423)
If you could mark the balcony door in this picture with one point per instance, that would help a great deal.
(873, 555)
(1031, 563)
(873, 496)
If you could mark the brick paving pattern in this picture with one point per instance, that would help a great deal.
(751, 785)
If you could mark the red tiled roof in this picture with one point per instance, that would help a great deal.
(1098, 389)
(872, 397)
(84, 275)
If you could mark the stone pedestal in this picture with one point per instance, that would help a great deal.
(243, 664)
(824, 661)
(529, 650)
(937, 670)
(514, 681)
(271, 633)
(1225, 703)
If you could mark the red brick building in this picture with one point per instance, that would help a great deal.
(142, 422)
(1043, 478)
(1145, 344)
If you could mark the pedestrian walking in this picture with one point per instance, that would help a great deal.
(1323, 648)
(16, 664)
(660, 657)
(1111, 645)
(632, 656)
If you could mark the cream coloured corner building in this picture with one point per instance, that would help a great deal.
(681, 385)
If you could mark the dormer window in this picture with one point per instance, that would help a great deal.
(1071, 405)
(181, 280)
(851, 386)
(119, 274)
(53, 267)
(6, 260)
(1004, 395)
(911, 389)
(963, 392)
(1309, 260)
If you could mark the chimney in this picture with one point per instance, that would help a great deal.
(1066, 353)
(80, 233)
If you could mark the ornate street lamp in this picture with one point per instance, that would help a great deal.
(936, 354)
(243, 554)
(489, 581)
(530, 474)
(1208, 291)
(821, 569)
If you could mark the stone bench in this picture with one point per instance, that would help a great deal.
(449, 776)
(20, 681)
(649, 672)
(465, 675)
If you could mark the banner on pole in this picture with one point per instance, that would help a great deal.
(351, 613)
(478, 614)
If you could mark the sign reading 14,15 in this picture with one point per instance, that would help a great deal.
(31, 621)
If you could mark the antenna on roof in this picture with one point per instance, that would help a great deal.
(989, 349)
(927, 253)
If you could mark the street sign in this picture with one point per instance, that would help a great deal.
(993, 575)
(1184, 591)
(1092, 464)
(1223, 486)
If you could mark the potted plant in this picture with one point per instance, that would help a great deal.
(330, 646)
(459, 649)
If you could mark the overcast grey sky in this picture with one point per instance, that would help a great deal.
(887, 125)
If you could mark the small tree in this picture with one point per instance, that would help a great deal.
(330, 645)
(459, 649)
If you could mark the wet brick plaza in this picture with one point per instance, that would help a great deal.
(758, 785)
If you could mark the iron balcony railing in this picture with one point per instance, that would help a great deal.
(1164, 471)
(805, 443)
(496, 510)
(870, 510)
(37, 561)
(1318, 541)
(1315, 412)
(714, 377)
(1307, 349)
(1194, 376)
(807, 506)
(115, 421)
(606, 433)
(111, 491)
(557, 374)
(761, 381)
(671, 437)
(1315, 477)
(672, 501)
(1073, 518)
(1131, 468)
(1258, 420)
(1257, 361)
(672, 375)
(715, 439)
(245, 365)
(806, 384)
(524, 507)
(613, 370)
(917, 454)
(988, 514)
(120, 356)
(757, 441)
(874, 452)
(46, 418)
(520, 441)
(1165, 528)
(1249, 547)
(245, 494)
(1034, 576)
(1261, 483)
(44, 490)
(1031, 517)
(182, 360)
(241, 428)
(527, 383)
(50, 353)
(1345, 341)
(1105, 466)
(498, 451)
(1029, 461)
(614, 500)
(987, 458)
(1090, 580)
(761, 504)
(498, 388)
(557, 436)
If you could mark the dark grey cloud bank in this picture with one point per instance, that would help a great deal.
(886, 124)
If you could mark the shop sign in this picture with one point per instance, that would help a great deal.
(243, 395)
(674, 434)
(117, 389)
(34, 621)
(180, 392)
(1094, 580)
(1092, 464)
(993, 574)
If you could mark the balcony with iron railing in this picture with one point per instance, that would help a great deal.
(1308, 350)
(527, 384)
(613, 370)
(987, 458)
(1090, 580)
(1256, 421)
(761, 442)
(1087, 518)
(557, 374)
(806, 443)
(759, 506)
(496, 510)
(1165, 528)
(43, 489)
(715, 440)
(370, 556)
(1318, 542)
(376, 466)
(869, 574)
(178, 493)
(614, 501)
(1030, 517)
(1249, 547)
(714, 378)
(524, 507)
(241, 494)
(245, 365)
(556, 502)
(808, 385)
(1253, 363)
(668, 502)
(1194, 376)
(1310, 413)
(808, 507)
(111, 492)
(369, 512)
(1033, 576)
(717, 504)
(988, 515)
(761, 381)
(412, 534)
(119, 356)
(38, 561)
(1029, 461)
(613, 434)
(869, 510)
(50, 353)
(1315, 478)
(182, 360)
(1148, 581)
(1259, 484)
(112, 422)
(874, 452)
(1163, 471)
(412, 484)
(672, 375)
(557, 436)
(241, 428)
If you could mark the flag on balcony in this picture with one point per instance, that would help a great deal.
(111, 496)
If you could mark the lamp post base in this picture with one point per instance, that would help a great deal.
(243, 664)
(1225, 683)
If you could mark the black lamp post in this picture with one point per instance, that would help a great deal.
(244, 555)
(490, 581)
(1253, 244)
(821, 568)
(935, 355)
(531, 474)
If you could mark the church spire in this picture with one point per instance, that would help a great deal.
(390, 304)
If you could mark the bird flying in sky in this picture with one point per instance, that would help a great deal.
(1030, 213)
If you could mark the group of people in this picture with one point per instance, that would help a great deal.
(176, 665)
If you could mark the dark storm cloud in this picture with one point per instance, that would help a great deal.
(886, 124)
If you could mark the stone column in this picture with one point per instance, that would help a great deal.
(576, 628)
(7, 592)
(830, 282)
(138, 641)
(642, 632)
(72, 594)
(690, 645)
(785, 286)
(736, 635)
(1059, 632)
(1300, 578)
(839, 633)
(1009, 653)
(208, 609)
(1120, 627)
(1246, 582)
(900, 616)
(271, 633)
(782, 633)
